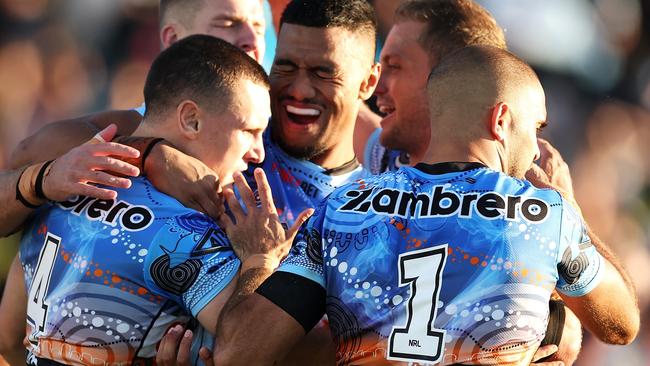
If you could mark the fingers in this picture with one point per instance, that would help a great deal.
(302, 218)
(245, 191)
(544, 351)
(107, 134)
(112, 165)
(81, 189)
(99, 177)
(166, 354)
(110, 148)
(233, 204)
(264, 190)
(184, 349)
(206, 356)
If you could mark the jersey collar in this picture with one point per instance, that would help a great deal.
(448, 167)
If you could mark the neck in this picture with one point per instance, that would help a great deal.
(479, 151)
(155, 129)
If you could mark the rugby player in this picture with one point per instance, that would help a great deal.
(107, 278)
(452, 261)
(424, 32)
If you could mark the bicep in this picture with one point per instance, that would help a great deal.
(209, 315)
(608, 311)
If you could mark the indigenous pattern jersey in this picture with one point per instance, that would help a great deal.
(106, 278)
(378, 159)
(440, 264)
(300, 184)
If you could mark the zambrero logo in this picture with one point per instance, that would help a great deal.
(441, 203)
(131, 217)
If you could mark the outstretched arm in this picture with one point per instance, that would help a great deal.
(56, 138)
(74, 173)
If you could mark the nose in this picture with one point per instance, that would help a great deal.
(255, 154)
(300, 87)
(382, 86)
(249, 40)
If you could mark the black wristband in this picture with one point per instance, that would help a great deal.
(148, 149)
(19, 196)
(38, 185)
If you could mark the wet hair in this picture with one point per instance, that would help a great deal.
(201, 68)
(451, 25)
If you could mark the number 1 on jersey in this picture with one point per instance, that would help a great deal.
(419, 340)
(36, 308)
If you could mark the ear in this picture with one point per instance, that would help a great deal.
(369, 84)
(500, 121)
(169, 34)
(189, 119)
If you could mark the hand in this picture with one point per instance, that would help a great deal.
(175, 349)
(552, 172)
(257, 236)
(555, 167)
(543, 352)
(185, 178)
(95, 162)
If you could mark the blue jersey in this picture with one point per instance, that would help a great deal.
(439, 264)
(379, 159)
(300, 184)
(107, 278)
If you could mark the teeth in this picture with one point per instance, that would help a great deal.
(386, 110)
(303, 111)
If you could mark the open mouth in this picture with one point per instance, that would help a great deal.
(302, 116)
(385, 110)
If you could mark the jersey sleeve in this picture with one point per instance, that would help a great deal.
(580, 266)
(298, 285)
(190, 260)
(305, 258)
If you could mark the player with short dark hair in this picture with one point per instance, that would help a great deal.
(107, 278)
(449, 262)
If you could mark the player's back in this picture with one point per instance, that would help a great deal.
(450, 263)
(107, 278)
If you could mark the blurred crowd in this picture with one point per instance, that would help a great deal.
(64, 58)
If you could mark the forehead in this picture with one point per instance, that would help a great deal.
(313, 45)
(403, 38)
(242, 8)
(252, 104)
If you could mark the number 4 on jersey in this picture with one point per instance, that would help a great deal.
(36, 308)
(419, 340)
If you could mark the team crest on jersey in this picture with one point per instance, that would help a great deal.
(441, 203)
(130, 217)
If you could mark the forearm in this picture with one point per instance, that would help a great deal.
(607, 253)
(12, 212)
(56, 138)
(238, 320)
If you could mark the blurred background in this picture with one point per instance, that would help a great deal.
(64, 58)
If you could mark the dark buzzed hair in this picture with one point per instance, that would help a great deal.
(357, 16)
(201, 68)
(451, 25)
(185, 11)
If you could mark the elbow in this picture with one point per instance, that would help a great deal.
(623, 333)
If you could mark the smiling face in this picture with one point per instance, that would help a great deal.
(316, 80)
(401, 93)
(238, 22)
